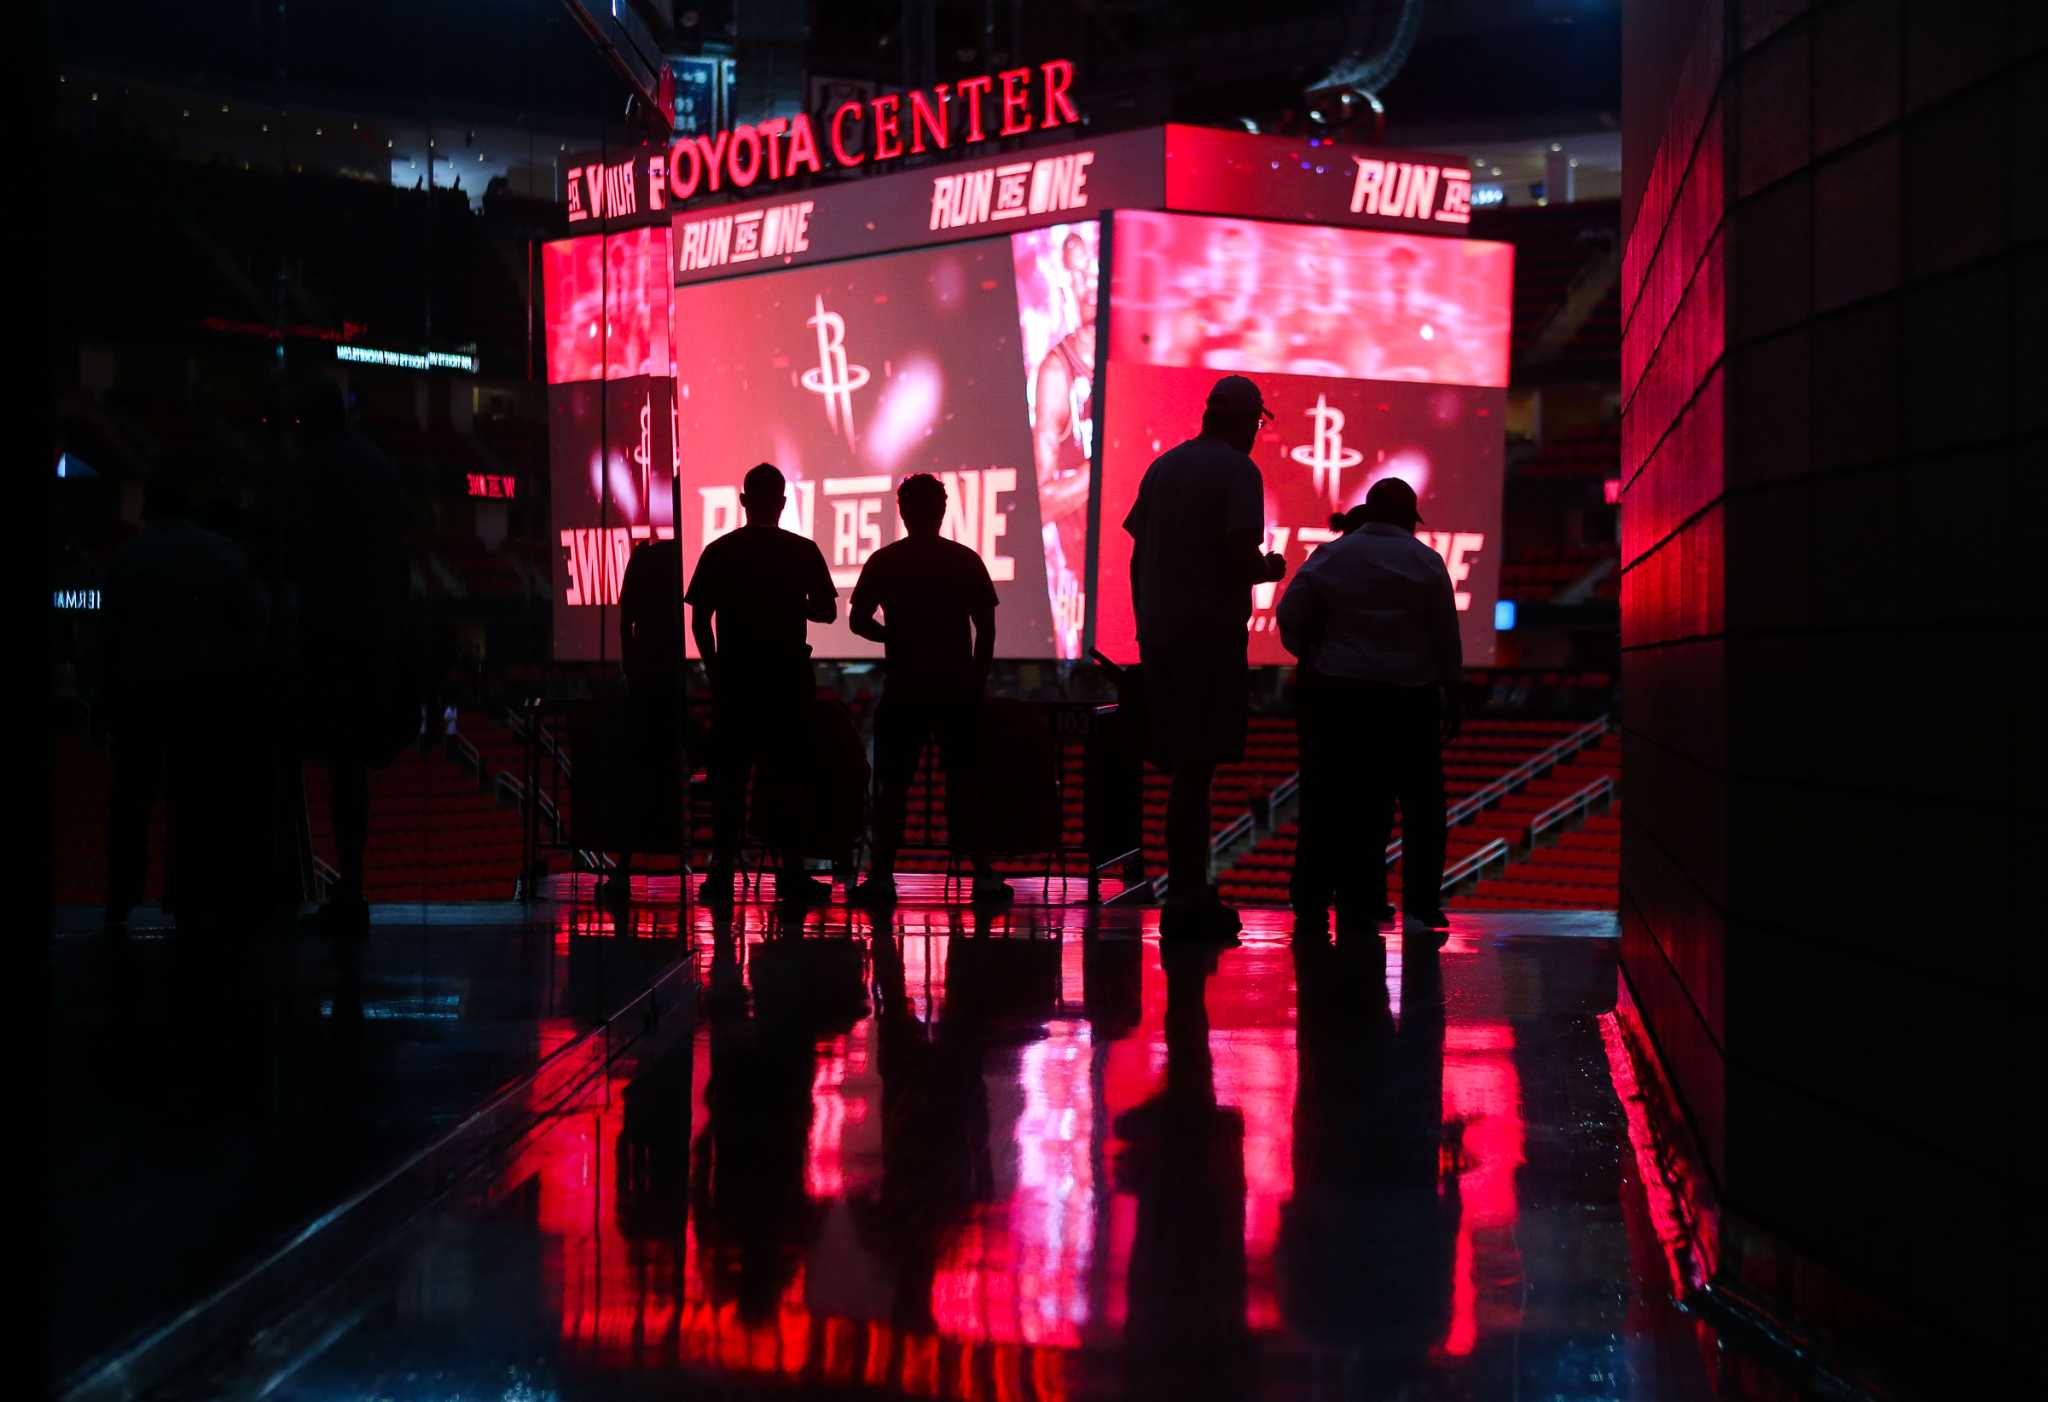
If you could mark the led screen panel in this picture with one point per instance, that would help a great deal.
(611, 443)
(625, 273)
(974, 362)
(1379, 355)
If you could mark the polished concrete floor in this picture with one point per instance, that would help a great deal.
(1039, 1156)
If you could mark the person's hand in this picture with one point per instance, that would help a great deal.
(1276, 568)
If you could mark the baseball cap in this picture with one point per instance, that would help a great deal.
(1234, 394)
(1391, 499)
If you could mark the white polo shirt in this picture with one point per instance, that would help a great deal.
(1375, 606)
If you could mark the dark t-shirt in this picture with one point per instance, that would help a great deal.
(758, 582)
(928, 589)
(1193, 498)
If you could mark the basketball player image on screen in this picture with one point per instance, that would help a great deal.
(1062, 415)
(1320, 333)
(1223, 326)
(1418, 334)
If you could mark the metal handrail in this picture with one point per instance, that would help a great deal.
(1474, 862)
(1528, 769)
(468, 753)
(548, 743)
(507, 784)
(1567, 808)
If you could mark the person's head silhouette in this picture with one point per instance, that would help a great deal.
(921, 501)
(1390, 502)
(762, 494)
(1234, 413)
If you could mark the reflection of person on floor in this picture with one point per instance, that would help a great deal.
(935, 1135)
(752, 594)
(651, 656)
(1368, 1239)
(1196, 530)
(754, 1219)
(1183, 1159)
(354, 584)
(652, 1200)
(181, 624)
(1374, 621)
(933, 593)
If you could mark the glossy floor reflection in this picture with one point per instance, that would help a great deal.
(1044, 1158)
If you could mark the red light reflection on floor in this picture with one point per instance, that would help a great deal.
(1023, 1260)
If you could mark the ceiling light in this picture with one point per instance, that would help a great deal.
(1496, 170)
(1554, 146)
(1573, 163)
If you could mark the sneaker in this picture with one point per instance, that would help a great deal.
(802, 890)
(876, 891)
(992, 891)
(1433, 923)
(716, 887)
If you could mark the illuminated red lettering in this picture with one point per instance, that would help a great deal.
(972, 90)
(1016, 101)
(750, 139)
(1059, 108)
(657, 181)
(839, 151)
(927, 118)
(593, 181)
(679, 185)
(888, 126)
(1421, 192)
(713, 153)
(770, 130)
(803, 144)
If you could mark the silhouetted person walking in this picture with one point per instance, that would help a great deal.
(939, 631)
(750, 599)
(182, 623)
(651, 656)
(1196, 532)
(1374, 621)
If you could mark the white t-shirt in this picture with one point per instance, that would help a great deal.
(1191, 500)
(1377, 606)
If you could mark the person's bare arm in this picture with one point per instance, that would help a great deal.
(1051, 419)
(860, 616)
(707, 639)
(984, 643)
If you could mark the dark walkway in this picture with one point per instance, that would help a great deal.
(1029, 1164)
(209, 1100)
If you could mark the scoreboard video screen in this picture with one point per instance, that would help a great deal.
(974, 362)
(830, 332)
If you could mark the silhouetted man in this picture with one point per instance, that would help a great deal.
(651, 655)
(1196, 531)
(181, 625)
(1374, 621)
(753, 593)
(931, 592)
(354, 583)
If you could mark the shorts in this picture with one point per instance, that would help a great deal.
(1196, 702)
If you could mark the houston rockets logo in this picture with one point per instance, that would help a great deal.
(832, 376)
(1327, 457)
(643, 452)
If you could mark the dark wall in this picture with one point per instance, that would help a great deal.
(1836, 323)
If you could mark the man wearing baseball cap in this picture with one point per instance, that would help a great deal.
(1196, 532)
(1373, 618)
